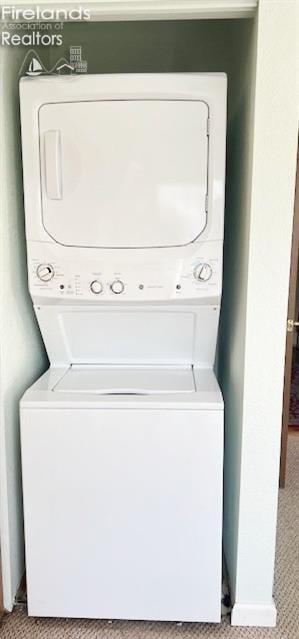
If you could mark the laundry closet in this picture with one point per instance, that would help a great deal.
(250, 43)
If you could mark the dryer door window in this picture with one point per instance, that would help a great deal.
(124, 173)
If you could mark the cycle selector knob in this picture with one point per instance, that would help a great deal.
(96, 287)
(117, 287)
(45, 272)
(203, 272)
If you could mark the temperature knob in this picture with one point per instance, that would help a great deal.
(45, 272)
(203, 272)
(96, 287)
(117, 287)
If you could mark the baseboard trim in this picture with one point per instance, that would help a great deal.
(263, 615)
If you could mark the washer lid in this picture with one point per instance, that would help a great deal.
(126, 381)
(124, 173)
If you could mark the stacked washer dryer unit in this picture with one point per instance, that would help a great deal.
(122, 438)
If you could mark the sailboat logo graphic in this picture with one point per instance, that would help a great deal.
(32, 64)
(35, 67)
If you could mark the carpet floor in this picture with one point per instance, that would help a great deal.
(18, 626)
(294, 399)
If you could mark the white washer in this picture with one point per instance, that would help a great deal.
(122, 439)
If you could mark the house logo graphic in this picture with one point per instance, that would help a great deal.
(76, 59)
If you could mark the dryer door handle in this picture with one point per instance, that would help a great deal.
(53, 176)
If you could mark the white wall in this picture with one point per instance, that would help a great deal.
(273, 179)
(22, 355)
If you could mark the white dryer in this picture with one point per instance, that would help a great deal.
(122, 438)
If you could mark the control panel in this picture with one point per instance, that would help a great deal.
(193, 276)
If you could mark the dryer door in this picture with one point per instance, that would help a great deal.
(124, 173)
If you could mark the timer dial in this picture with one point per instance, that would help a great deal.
(96, 287)
(45, 272)
(117, 287)
(203, 272)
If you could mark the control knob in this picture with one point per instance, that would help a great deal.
(203, 272)
(45, 272)
(117, 287)
(96, 287)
